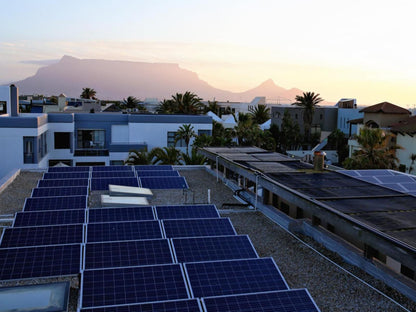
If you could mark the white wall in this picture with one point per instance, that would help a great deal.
(5, 96)
(408, 145)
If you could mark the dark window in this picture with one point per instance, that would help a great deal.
(3, 107)
(28, 150)
(62, 140)
(171, 140)
(407, 271)
(296, 116)
(284, 207)
(206, 132)
(299, 213)
(321, 116)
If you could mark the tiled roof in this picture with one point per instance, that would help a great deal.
(405, 126)
(386, 108)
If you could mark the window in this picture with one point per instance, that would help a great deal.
(91, 139)
(296, 116)
(28, 150)
(3, 107)
(62, 140)
(321, 116)
(206, 132)
(171, 140)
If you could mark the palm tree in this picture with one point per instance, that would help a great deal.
(308, 101)
(213, 107)
(194, 158)
(377, 151)
(188, 103)
(186, 133)
(167, 107)
(260, 114)
(165, 156)
(88, 93)
(136, 157)
(203, 140)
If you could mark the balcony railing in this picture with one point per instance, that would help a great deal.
(91, 152)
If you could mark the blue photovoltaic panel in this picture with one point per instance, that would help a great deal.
(102, 215)
(42, 235)
(68, 169)
(66, 175)
(198, 227)
(186, 305)
(163, 183)
(49, 217)
(395, 179)
(186, 212)
(59, 191)
(296, 300)
(153, 167)
(55, 203)
(118, 231)
(64, 182)
(213, 248)
(158, 173)
(101, 184)
(112, 168)
(133, 285)
(234, 277)
(112, 174)
(127, 253)
(19, 263)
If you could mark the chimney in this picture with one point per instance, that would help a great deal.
(14, 101)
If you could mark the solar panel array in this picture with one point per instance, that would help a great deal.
(162, 258)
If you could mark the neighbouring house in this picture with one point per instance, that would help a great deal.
(405, 131)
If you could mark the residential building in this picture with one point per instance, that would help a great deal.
(405, 137)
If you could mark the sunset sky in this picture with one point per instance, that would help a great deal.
(360, 49)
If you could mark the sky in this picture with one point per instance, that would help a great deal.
(340, 49)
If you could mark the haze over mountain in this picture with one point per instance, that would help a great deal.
(116, 80)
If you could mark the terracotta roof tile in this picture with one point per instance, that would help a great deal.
(386, 108)
(405, 126)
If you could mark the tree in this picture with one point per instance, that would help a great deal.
(186, 133)
(194, 158)
(136, 157)
(338, 141)
(187, 103)
(132, 102)
(413, 159)
(203, 140)
(220, 135)
(213, 107)
(290, 137)
(167, 107)
(260, 114)
(308, 101)
(88, 93)
(165, 156)
(377, 151)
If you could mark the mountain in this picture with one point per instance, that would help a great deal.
(119, 79)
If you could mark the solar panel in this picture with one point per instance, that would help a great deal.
(127, 253)
(186, 212)
(102, 215)
(68, 169)
(396, 179)
(59, 191)
(198, 227)
(104, 232)
(158, 173)
(42, 235)
(55, 203)
(101, 184)
(296, 300)
(153, 167)
(19, 263)
(112, 174)
(163, 183)
(234, 277)
(50, 217)
(186, 305)
(64, 182)
(66, 175)
(213, 248)
(112, 168)
(133, 285)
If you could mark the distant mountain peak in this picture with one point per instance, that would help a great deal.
(268, 83)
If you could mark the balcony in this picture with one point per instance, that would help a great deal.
(91, 152)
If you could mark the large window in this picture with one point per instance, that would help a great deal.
(28, 150)
(62, 140)
(171, 140)
(91, 139)
(3, 107)
(206, 132)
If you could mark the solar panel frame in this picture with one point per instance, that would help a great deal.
(101, 184)
(49, 217)
(226, 277)
(202, 211)
(42, 236)
(293, 300)
(158, 173)
(131, 253)
(55, 203)
(59, 191)
(213, 248)
(197, 227)
(164, 183)
(41, 259)
(112, 168)
(112, 174)
(153, 167)
(101, 232)
(157, 280)
(119, 214)
(65, 175)
(63, 183)
(180, 305)
(69, 169)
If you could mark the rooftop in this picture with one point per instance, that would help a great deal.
(385, 108)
